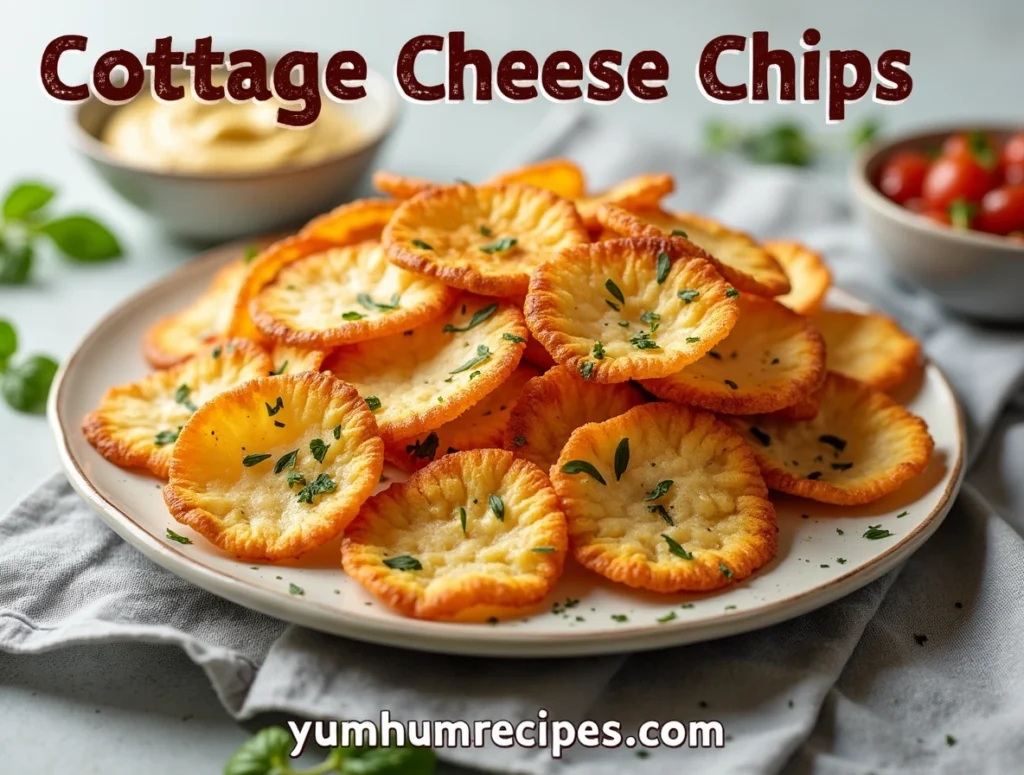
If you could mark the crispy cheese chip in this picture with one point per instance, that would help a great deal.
(401, 186)
(559, 176)
(744, 264)
(138, 424)
(665, 498)
(487, 240)
(860, 446)
(277, 466)
(553, 405)
(479, 427)
(349, 224)
(473, 535)
(344, 295)
(804, 409)
(871, 348)
(628, 309)
(427, 376)
(179, 336)
(288, 359)
(809, 276)
(772, 358)
(641, 192)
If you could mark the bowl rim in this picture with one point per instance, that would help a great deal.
(97, 150)
(866, 191)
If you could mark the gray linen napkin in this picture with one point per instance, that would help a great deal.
(849, 688)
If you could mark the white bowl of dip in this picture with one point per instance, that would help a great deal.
(223, 170)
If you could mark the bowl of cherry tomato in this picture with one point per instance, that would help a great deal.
(947, 208)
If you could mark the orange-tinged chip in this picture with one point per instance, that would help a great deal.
(640, 192)
(479, 427)
(344, 295)
(138, 424)
(804, 409)
(288, 359)
(628, 309)
(179, 336)
(420, 379)
(553, 405)
(860, 446)
(487, 240)
(559, 176)
(276, 466)
(666, 498)
(401, 186)
(473, 535)
(771, 359)
(349, 224)
(744, 264)
(809, 276)
(871, 348)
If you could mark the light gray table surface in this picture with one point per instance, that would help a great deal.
(966, 64)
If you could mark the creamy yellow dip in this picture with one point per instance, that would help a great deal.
(190, 136)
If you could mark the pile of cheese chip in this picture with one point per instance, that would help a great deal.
(558, 371)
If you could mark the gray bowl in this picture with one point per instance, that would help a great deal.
(222, 206)
(973, 273)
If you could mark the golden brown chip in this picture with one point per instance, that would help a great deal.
(772, 358)
(738, 258)
(419, 380)
(401, 186)
(479, 427)
(487, 240)
(276, 466)
(179, 336)
(804, 409)
(288, 359)
(559, 176)
(349, 224)
(641, 192)
(860, 446)
(666, 498)
(871, 348)
(628, 309)
(137, 424)
(553, 405)
(809, 277)
(344, 295)
(473, 535)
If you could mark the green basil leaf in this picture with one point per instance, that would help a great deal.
(82, 238)
(403, 562)
(664, 265)
(404, 760)
(621, 458)
(497, 506)
(15, 264)
(583, 467)
(26, 385)
(26, 198)
(8, 342)
(264, 753)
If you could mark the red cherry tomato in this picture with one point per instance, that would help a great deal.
(1002, 210)
(939, 216)
(903, 176)
(982, 146)
(956, 177)
(1013, 160)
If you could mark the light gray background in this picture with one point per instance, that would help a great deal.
(967, 65)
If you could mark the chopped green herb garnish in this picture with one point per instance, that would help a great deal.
(322, 484)
(761, 436)
(462, 518)
(513, 338)
(598, 351)
(586, 369)
(666, 618)
(352, 316)
(295, 478)
(583, 467)
(182, 396)
(216, 352)
(842, 466)
(620, 618)
(652, 319)
(950, 740)
(318, 449)
(163, 438)
(367, 301)
(833, 441)
(295, 589)
(732, 384)
(614, 290)
(725, 570)
(612, 304)
(674, 547)
(172, 536)
(278, 424)
(251, 460)
(814, 475)
(841, 560)
(251, 251)
(659, 490)
(643, 341)
(658, 509)
(277, 407)
(501, 246)
(664, 264)
(286, 461)
(902, 514)
(373, 403)
(425, 449)
(421, 244)
(519, 441)
(621, 458)
(688, 295)
(472, 374)
(692, 339)
(497, 506)
(485, 231)
(732, 293)
(543, 549)
(483, 352)
(874, 532)
(624, 323)
(479, 317)
(403, 562)
(679, 233)
(337, 432)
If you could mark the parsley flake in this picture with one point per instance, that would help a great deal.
(614, 290)
(688, 295)
(761, 436)
(501, 246)
(163, 438)
(180, 539)
(659, 490)
(874, 532)
(277, 407)
(373, 403)
(598, 351)
(425, 449)
(418, 243)
(322, 484)
(519, 441)
(674, 547)
(497, 506)
(664, 264)
(483, 352)
(482, 314)
(367, 301)
(251, 460)
(182, 396)
(513, 338)
(286, 461)
(658, 509)
(403, 562)
(295, 589)
(586, 369)
(583, 467)
(318, 449)
(732, 293)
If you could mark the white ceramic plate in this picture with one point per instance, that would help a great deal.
(822, 553)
